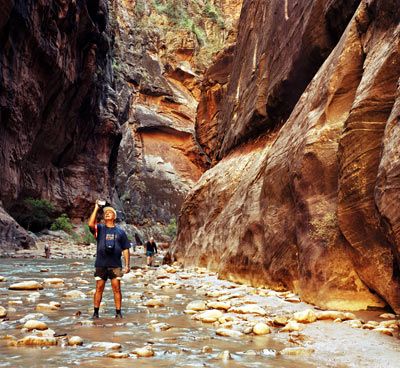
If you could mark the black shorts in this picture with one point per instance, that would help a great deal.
(105, 273)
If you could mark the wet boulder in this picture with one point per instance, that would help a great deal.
(26, 285)
(261, 328)
(306, 316)
(37, 341)
(145, 352)
(209, 316)
(75, 340)
(35, 325)
(117, 355)
(3, 312)
(197, 305)
(248, 309)
(75, 294)
(229, 332)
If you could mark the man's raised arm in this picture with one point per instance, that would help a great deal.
(92, 218)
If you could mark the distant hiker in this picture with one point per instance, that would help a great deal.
(112, 242)
(47, 251)
(150, 248)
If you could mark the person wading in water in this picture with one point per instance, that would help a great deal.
(112, 242)
(151, 248)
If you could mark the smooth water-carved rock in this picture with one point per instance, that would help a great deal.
(117, 355)
(297, 207)
(35, 325)
(3, 312)
(37, 341)
(297, 351)
(228, 332)
(105, 345)
(209, 316)
(306, 316)
(26, 285)
(261, 329)
(75, 294)
(197, 305)
(145, 352)
(75, 340)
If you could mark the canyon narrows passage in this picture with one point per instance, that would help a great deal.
(257, 141)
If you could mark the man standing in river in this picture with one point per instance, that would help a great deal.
(112, 242)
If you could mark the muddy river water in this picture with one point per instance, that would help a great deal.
(175, 337)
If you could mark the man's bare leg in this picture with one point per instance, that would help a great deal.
(98, 295)
(116, 287)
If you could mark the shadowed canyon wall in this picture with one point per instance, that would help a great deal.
(58, 134)
(161, 51)
(303, 134)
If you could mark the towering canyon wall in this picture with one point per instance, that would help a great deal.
(304, 191)
(58, 132)
(161, 51)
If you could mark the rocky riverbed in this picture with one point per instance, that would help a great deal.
(176, 317)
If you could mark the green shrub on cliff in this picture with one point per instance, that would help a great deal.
(171, 229)
(34, 214)
(87, 236)
(62, 223)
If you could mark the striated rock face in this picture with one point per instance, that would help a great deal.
(308, 203)
(162, 49)
(272, 67)
(57, 129)
(213, 90)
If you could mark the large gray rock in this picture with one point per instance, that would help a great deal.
(12, 235)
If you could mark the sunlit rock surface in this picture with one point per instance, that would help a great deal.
(161, 51)
(308, 200)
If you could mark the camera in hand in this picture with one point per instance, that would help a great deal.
(101, 203)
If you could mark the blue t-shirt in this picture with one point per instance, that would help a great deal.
(117, 238)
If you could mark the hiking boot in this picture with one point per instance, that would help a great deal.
(118, 315)
(95, 315)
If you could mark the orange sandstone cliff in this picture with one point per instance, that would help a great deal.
(303, 135)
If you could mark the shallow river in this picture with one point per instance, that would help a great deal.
(180, 346)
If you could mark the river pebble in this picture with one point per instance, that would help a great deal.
(26, 285)
(3, 312)
(249, 309)
(224, 355)
(291, 326)
(228, 332)
(75, 340)
(145, 352)
(75, 294)
(117, 355)
(219, 305)
(261, 329)
(53, 281)
(154, 303)
(35, 325)
(46, 307)
(306, 316)
(37, 341)
(197, 305)
(15, 302)
(209, 316)
(105, 345)
(297, 351)
(206, 349)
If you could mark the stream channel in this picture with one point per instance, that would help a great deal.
(176, 339)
